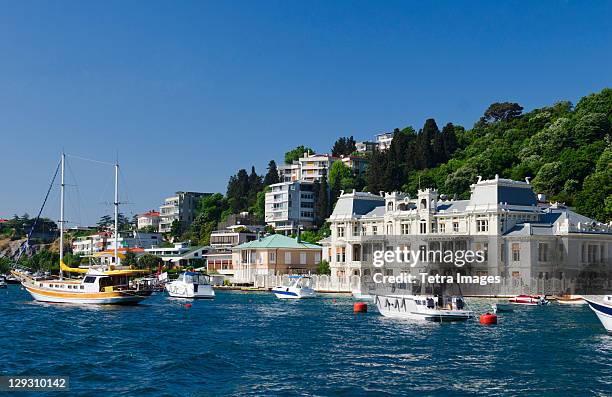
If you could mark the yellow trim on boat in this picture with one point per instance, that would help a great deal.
(58, 294)
(122, 272)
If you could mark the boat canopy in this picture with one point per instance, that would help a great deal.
(120, 272)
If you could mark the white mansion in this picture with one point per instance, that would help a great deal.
(533, 246)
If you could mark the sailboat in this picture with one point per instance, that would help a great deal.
(100, 285)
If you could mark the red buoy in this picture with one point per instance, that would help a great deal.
(360, 307)
(488, 318)
(187, 305)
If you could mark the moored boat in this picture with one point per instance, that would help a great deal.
(501, 307)
(2, 282)
(191, 285)
(362, 296)
(602, 306)
(435, 308)
(571, 300)
(528, 300)
(299, 288)
(100, 285)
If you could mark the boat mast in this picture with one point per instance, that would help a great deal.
(61, 221)
(116, 212)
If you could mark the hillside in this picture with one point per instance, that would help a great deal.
(566, 151)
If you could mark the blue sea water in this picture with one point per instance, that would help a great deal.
(253, 344)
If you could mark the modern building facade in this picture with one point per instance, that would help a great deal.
(383, 141)
(365, 146)
(289, 205)
(531, 246)
(104, 241)
(181, 254)
(181, 207)
(274, 255)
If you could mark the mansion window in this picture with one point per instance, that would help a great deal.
(423, 227)
(356, 230)
(340, 254)
(340, 232)
(543, 252)
(442, 227)
(389, 229)
(405, 228)
(364, 230)
(455, 226)
(482, 225)
(516, 252)
(374, 230)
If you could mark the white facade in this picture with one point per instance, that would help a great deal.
(523, 242)
(314, 166)
(289, 204)
(148, 220)
(105, 241)
(383, 141)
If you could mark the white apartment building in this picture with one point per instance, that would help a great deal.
(314, 166)
(180, 207)
(289, 205)
(181, 254)
(289, 172)
(104, 241)
(534, 248)
(148, 219)
(383, 141)
(365, 146)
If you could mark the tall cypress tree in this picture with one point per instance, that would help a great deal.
(272, 175)
(322, 208)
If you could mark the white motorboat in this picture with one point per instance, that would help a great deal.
(299, 288)
(423, 307)
(362, 296)
(191, 285)
(602, 306)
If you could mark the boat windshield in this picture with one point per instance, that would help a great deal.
(195, 278)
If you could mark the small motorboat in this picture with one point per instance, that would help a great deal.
(2, 282)
(191, 285)
(502, 307)
(528, 300)
(299, 288)
(434, 308)
(571, 300)
(362, 296)
(602, 306)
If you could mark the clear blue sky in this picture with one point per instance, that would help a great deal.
(189, 92)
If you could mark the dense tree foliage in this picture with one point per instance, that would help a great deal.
(19, 226)
(565, 150)
(344, 146)
(295, 154)
(272, 174)
(107, 222)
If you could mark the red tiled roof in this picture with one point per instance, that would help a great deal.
(151, 213)
(2, 220)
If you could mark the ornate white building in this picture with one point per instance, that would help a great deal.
(531, 245)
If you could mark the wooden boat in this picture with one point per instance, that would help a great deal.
(571, 300)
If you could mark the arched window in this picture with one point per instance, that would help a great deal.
(390, 206)
(423, 204)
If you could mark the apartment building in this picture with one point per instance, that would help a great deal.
(180, 207)
(529, 244)
(383, 141)
(289, 205)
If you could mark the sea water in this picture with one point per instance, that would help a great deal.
(254, 344)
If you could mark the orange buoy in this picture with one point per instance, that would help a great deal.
(187, 305)
(488, 318)
(360, 307)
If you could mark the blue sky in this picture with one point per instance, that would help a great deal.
(189, 92)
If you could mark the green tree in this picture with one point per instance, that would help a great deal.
(148, 261)
(323, 268)
(5, 265)
(295, 154)
(502, 111)
(176, 229)
(344, 146)
(272, 174)
(129, 259)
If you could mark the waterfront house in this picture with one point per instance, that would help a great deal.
(275, 254)
(528, 243)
